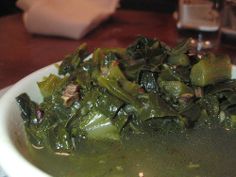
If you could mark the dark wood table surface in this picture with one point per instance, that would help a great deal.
(22, 53)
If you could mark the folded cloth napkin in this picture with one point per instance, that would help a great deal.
(67, 18)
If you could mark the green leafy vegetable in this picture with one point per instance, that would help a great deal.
(147, 87)
(210, 70)
(50, 84)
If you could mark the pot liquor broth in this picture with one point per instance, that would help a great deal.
(198, 153)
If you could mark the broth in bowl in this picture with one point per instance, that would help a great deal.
(199, 153)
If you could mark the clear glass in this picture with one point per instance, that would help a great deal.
(205, 28)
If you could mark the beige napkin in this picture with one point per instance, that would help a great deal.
(67, 18)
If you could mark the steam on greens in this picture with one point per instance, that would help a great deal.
(147, 87)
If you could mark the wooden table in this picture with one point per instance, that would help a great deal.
(22, 53)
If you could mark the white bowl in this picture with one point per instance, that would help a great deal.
(13, 149)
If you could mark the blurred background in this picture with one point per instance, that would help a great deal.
(8, 6)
